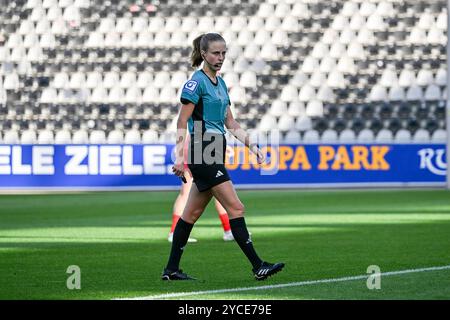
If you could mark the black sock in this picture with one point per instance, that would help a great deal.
(240, 234)
(180, 238)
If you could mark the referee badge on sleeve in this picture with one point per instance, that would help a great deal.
(190, 85)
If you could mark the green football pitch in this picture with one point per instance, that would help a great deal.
(118, 240)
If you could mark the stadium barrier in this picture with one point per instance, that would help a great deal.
(149, 167)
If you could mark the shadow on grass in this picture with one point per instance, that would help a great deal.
(131, 267)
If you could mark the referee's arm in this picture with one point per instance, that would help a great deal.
(185, 113)
(240, 134)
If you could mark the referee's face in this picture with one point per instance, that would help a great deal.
(215, 55)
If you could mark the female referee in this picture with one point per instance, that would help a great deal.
(181, 200)
(206, 109)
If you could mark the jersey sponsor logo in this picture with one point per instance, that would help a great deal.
(190, 85)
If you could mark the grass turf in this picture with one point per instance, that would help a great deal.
(119, 241)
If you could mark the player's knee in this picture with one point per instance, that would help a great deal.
(238, 210)
(194, 215)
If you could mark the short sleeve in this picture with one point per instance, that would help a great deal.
(226, 90)
(191, 92)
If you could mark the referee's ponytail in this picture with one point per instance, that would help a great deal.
(196, 56)
(202, 43)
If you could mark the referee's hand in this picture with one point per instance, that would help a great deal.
(260, 157)
(178, 170)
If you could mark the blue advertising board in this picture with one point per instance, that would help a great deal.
(104, 167)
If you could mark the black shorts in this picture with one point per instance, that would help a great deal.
(207, 173)
(207, 176)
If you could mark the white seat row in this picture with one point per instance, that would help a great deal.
(414, 92)
(81, 136)
(114, 95)
(409, 77)
(124, 80)
(367, 136)
(60, 3)
(151, 94)
(285, 123)
(133, 136)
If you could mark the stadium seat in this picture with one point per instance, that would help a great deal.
(290, 23)
(303, 123)
(296, 109)
(292, 137)
(150, 137)
(258, 66)
(28, 137)
(424, 77)
(278, 108)
(317, 79)
(349, 8)
(45, 137)
(375, 22)
(441, 21)
(438, 136)
(314, 108)
(144, 79)
(347, 36)
(97, 137)
(432, 92)
(365, 136)
(11, 81)
(441, 77)
(329, 136)
(300, 10)
(389, 77)
(80, 137)
(384, 136)
(414, 93)
(244, 37)
(237, 94)
(340, 23)
(311, 137)
(268, 122)
(150, 95)
(402, 136)
(63, 137)
(116, 95)
(325, 94)
(407, 77)
(128, 79)
(356, 51)
(115, 137)
(11, 137)
(346, 65)
(132, 136)
(307, 93)
(248, 79)
(286, 123)
(357, 21)
(289, 94)
(266, 10)
(421, 136)
(366, 37)
(299, 79)
(222, 24)
(347, 136)
(396, 93)
(310, 64)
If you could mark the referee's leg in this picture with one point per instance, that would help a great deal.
(196, 204)
(227, 196)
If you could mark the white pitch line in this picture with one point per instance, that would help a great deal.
(284, 285)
